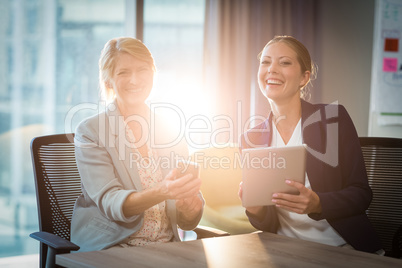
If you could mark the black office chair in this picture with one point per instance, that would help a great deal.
(383, 160)
(58, 185)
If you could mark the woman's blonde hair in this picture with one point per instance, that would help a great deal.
(303, 57)
(108, 57)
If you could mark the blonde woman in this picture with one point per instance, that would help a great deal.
(132, 195)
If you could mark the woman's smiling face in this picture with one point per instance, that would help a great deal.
(132, 80)
(280, 76)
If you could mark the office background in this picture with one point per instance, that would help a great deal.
(48, 66)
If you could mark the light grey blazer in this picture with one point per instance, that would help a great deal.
(109, 175)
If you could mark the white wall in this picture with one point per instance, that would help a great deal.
(377, 86)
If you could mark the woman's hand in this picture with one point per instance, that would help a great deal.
(185, 190)
(189, 208)
(170, 187)
(304, 203)
(173, 187)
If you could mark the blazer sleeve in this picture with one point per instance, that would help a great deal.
(100, 181)
(350, 194)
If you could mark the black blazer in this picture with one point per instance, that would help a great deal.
(336, 171)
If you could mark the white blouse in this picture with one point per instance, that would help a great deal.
(301, 225)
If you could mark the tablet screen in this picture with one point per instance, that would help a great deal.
(265, 170)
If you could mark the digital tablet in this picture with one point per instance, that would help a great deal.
(264, 171)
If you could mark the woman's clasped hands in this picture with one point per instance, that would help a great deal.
(184, 189)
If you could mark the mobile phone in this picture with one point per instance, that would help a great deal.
(188, 167)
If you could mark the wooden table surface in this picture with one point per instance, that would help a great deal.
(245, 251)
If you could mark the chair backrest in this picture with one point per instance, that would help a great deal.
(57, 183)
(383, 160)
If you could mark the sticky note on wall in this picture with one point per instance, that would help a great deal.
(391, 45)
(390, 65)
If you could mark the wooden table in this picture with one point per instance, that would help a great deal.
(248, 250)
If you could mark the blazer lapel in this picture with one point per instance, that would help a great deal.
(312, 134)
(119, 143)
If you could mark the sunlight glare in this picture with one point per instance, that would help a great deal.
(186, 106)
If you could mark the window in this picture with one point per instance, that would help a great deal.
(174, 34)
(49, 52)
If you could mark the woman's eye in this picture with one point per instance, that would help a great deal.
(286, 63)
(265, 62)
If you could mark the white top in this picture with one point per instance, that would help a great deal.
(301, 225)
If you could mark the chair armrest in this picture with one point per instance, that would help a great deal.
(55, 245)
(54, 241)
(206, 232)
